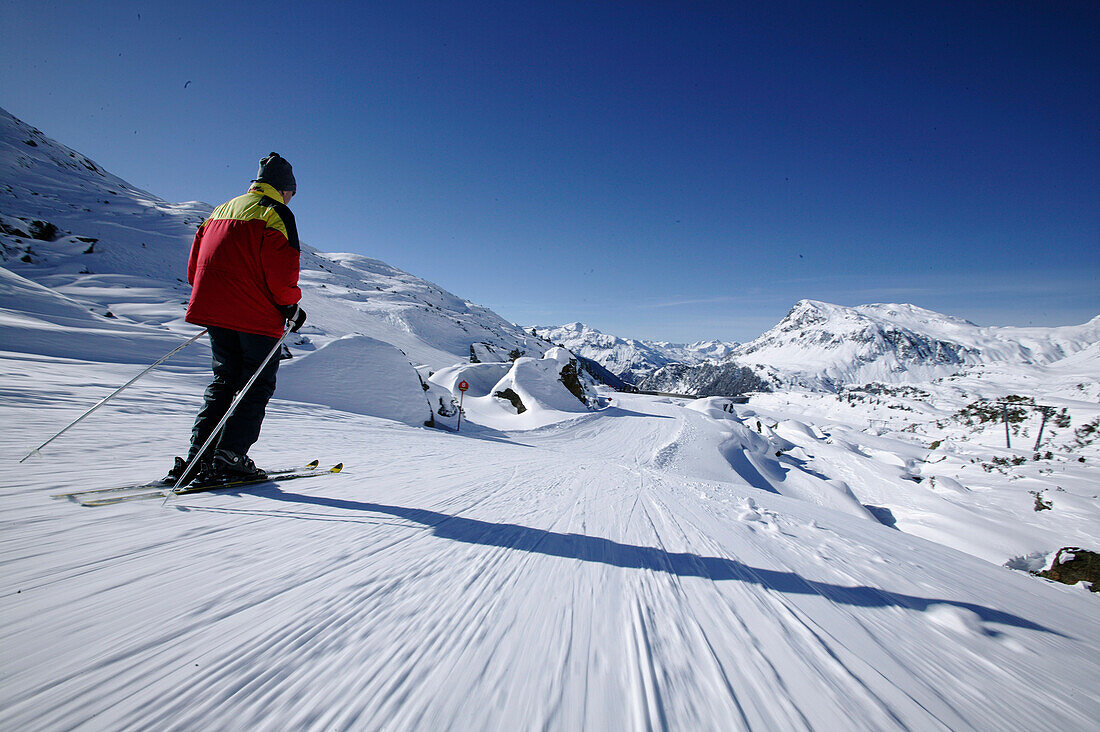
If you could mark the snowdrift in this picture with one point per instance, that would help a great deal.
(769, 461)
(357, 374)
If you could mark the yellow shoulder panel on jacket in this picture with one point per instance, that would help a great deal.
(249, 208)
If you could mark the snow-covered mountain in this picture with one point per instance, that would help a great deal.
(629, 359)
(822, 344)
(95, 242)
(824, 347)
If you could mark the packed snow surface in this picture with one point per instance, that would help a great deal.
(636, 567)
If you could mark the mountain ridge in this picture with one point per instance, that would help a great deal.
(823, 347)
(628, 358)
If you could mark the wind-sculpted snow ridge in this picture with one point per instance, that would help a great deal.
(358, 374)
(118, 252)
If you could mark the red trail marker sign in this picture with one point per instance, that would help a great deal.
(462, 387)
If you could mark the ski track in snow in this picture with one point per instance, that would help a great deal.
(571, 577)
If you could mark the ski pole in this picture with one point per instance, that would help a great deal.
(228, 413)
(115, 393)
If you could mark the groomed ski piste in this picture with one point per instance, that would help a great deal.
(796, 562)
(608, 571)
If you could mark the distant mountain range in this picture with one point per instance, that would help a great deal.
(629, 359)
(820, 346)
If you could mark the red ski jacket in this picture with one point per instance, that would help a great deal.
(244, 263)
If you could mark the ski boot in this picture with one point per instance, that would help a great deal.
(181, 465)
(228, 467)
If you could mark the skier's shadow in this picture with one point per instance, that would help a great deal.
(682, 564)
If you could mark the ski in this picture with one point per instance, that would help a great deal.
(148, 487)
(166, 492)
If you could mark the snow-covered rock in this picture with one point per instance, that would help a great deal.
(358, 374)
(523, 394)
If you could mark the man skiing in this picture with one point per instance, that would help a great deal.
(244, 274)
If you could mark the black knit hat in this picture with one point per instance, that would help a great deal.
(277, 173)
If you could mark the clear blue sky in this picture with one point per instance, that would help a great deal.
(666, 170)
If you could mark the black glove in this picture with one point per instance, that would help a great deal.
(293, 314)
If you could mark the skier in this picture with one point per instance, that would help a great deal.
(244, 273)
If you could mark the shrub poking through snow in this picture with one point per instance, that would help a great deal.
(1087, 433)
(1041, 504)
(985, 411)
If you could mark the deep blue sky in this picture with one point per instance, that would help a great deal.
(666, 170)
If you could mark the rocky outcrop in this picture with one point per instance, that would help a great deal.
(1072, 565)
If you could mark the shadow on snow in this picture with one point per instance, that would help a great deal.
(605, 551)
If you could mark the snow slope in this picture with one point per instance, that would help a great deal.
(612, 572)
(123, 251)
(803, 561)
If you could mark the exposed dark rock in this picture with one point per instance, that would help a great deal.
(43, 230)
(511, 396)
(601, 374)
(572, 381)
(13, 230)
(1072, 565)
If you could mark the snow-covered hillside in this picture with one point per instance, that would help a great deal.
(848, 560)
(629, 359)
(121, 254)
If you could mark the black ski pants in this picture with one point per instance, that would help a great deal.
(236, 356)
